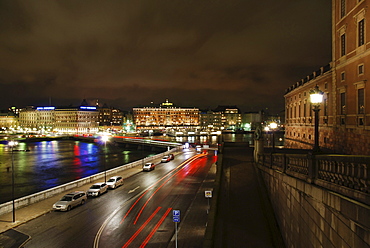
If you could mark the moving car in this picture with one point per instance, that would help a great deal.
(171, 156)
(114, 182)
(148, 166)
(97, 189)
(70, 200)
(165, 159)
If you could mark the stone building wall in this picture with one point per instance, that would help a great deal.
(310, 216)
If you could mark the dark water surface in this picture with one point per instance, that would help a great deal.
(51, 163)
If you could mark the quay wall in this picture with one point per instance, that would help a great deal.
(313, 212)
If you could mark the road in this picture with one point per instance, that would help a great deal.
(137, 214)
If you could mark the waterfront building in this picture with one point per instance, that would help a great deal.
(28, 118)
(76, 120)
(344, 118)
(8, 120)
(210, 121)
(166, 116)
(231, 117)
(110, 118)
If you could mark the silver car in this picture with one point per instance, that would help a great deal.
(114, 182)
(148, 166)
(97, 189)
(70, 200)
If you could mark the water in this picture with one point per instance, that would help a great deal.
(51, 163)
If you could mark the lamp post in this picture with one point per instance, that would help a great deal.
(105, 138)
(316, 96)
(273, 126)
(12, 144)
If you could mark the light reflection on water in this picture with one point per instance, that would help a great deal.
(51, 163)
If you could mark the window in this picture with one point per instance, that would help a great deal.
(343, 45)
(343, 103)
(342, 76)
(342, 8)
(361, 69)
(361, 101)
(361, 32)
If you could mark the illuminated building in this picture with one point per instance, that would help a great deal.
(76, 120)
(109, 116)
(8, 120)
(29, 117)
(166, 116)
(210, 120)
(231, 118)
(344, 118)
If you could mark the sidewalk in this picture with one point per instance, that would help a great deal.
(244, 215)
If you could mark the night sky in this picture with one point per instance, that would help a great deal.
(129, 53)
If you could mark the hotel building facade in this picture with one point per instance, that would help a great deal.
(167, 117)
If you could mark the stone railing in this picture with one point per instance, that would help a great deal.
(341, 173)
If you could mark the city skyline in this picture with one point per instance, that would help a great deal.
(131, 53)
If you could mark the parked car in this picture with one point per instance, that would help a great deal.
(70, 200)
(97, 189)
(148, 166)
(165, 159)
(114, 182)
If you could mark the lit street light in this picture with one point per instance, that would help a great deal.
(12, 144)
(273, 126)
(316, 96)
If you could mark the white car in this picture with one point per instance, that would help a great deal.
(70, 200)
(97, 189)
(148, 166)
(114, 182)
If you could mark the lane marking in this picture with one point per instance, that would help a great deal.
(105, 223)
(145, 242)
(147, 201)
(141, 228)
(133, 190)
(152, 186)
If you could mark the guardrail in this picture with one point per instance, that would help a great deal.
(30, 199)
(339, 173)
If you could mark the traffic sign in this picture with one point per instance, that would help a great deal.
(176, 215)
(208, 194)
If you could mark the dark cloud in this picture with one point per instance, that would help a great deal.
(128, 53)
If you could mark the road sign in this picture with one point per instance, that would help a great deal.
(208, 194)
(176, 215)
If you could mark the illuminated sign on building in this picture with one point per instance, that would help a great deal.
(88, 108)
(45, 108)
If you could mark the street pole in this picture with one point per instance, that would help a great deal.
(13, 183)
(316, 147)
(316, 97)
(12, 144)
(105, 161)
(105, 138)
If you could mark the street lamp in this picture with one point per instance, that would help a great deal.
(105, 138)
(273, 126)
(12, 144)
(316, 96)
